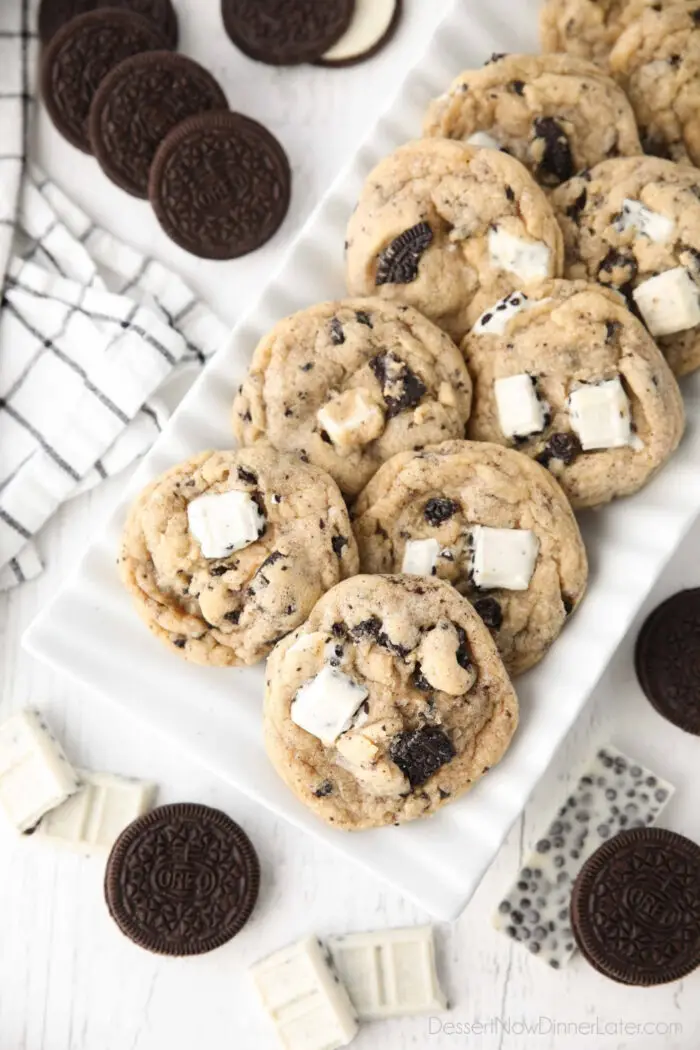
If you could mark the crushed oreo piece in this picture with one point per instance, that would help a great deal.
(612, 328)
(247, 476)
(337, 334)
(337, 543)
(574, 210)
(568, 603)
(557, 163)
(399, 262)
(369, 628)
(437, 511)
(234, 616)
(272, 558)
(421, 752)
(655, 146)
(463, 655)
(218, 570)
(307, 367)
(517, 87)
(326, 788)
(565, 447)
(496, 57)
(401, 387)
(419, 680)
(490, 612)
(362, 317)
(179, 643)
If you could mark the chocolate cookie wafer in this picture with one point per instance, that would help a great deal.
(281, 33)
(220, 185)
(667, 660)
(182, 880)
(78, 59)
(136, 107)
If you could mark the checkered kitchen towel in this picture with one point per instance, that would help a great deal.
(94, 337)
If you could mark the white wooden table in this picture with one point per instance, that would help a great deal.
(68, 981)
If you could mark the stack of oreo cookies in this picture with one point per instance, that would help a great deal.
(159, 124)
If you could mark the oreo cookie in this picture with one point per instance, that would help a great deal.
(282, 33)
(182, 880)
(136, 107)
(635, 907)
(220, 185)
(373, 25)
(667, 660)
(78, 59)
(53, 14)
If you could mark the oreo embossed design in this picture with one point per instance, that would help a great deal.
(182, 880)
(53, 14)
(281, 33)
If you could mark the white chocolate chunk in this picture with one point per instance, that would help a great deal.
(601, 416)
(97, 814)
(528, 260)
(35, 775)
(504, 557)
(482, 140)
(437, 656)
(327, 705)
(420, 557)
(357, 749)
(310, 1008)
(351, 418)
(520, 411)
(389, 973)
(636, 216)
(615, 793)
(369, 25)
(225, 522)
(669, 302)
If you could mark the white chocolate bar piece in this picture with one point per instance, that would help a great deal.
(389, 973)
(96, 815)
(309, 1006)
(35, 775)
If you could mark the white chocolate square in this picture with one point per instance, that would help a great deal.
(600, 415)
(310, 1008)
(351, 418)
(528, 260)
(504, 557)
(35, 775)
(327, 705)
(96, 815)
(483, 140)
(636, 216)
(520, 411)
(389, 973)
(225, 522)
(420, 557)
(669, 302)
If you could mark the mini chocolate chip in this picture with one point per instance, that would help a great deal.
(654, 145)
(444, 794)
(323, 789)
(179, 643)
(337, 334)
(362, 317)
(307, 367)
(674, 61)
(517, 87)
(337, 543)
(248, 476)
(557, 163)
(510, 193)
(421, 752)
(325, 437)
(398, 263)
(339, 630)
(490, 612)
(437, 511)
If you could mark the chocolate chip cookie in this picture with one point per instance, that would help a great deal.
(602, 409)
(555, 113)
(389, 702)
(438, 221)
(228, 552)
(634, 225)
(657, 63)
(589, 28)
(490, 521)
(349, 384)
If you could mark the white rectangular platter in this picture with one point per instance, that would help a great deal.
(91, 632)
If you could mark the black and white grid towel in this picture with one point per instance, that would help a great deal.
(94, 336)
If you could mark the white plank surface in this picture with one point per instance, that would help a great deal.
(68, 981)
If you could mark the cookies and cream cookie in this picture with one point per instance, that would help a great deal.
(634, 225)
(567, 375)
(589, 28)
(228, 552)
(349, 384)
(390, 702)
(438, 221)
(490, 521)
(657, 63)
(557, 114)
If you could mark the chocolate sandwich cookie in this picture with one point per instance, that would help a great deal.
(372, 27)
(55, 13)
(280, 33)
(220, 185)
(635, 907)
(78, 59)
(667, 659)
(182, 880)
(138, 104)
